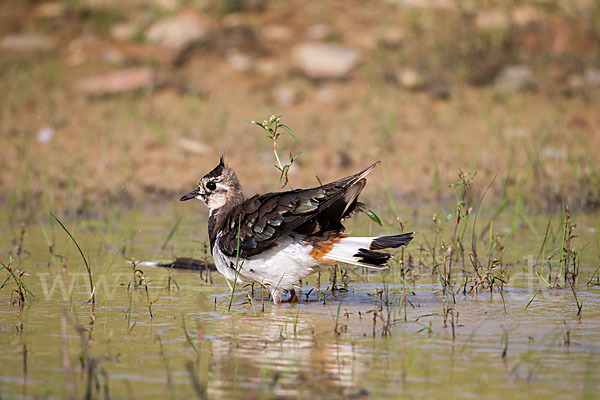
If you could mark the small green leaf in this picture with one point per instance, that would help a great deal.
(286, 167)
(374, 217)
(293, 157)
(287, 128)
(8, 277)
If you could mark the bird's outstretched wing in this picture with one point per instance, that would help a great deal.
(263, 219)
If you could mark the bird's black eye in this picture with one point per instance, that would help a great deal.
(210, 185)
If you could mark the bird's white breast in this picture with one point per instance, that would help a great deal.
(280, 267)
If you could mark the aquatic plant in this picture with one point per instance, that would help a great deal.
(21, 293)
(92, 298)
(274, 129)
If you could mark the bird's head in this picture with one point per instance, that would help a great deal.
(220, 187)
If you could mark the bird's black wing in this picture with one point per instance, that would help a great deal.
(262, 219)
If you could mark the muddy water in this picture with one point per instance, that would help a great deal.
(355, 343)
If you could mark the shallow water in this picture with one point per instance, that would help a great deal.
(326, 347)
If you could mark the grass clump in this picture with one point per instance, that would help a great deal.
(21, 294)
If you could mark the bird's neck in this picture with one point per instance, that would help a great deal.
(218, 217)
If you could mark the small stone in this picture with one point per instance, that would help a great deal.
(410, 79)
(181, 31)
(392, 36)
(277, 33)
(591, 77)
(45, 135)
(239, 61)
(117, 82)
(27, 42)
(527, 15)
(575, 84)
(51, 10)
(325, 60)
(123, 31)
(515, 79)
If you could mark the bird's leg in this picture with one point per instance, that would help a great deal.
(293, 297)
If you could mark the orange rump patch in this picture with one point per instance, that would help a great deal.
(321, 249)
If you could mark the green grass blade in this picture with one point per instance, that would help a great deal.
(87, 265)
(171, 233)
(543, 248)
(531, 300)
(473, 240)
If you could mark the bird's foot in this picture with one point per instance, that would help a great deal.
(293, 297)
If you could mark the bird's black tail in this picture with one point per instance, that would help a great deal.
(363, 250)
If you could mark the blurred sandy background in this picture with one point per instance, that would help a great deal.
(129, 102)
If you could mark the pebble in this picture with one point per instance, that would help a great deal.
(45, 135)
(325, 60)
(27, 42)
(180, 31)
(51, 10)
(392, 36)
(123, 31)
(239, 61)
(410, 79)
(126, 80)
(277, 33)
(515, 79)
(591, 77)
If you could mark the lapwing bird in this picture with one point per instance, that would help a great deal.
(277, 239)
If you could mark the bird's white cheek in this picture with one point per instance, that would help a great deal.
(217, 200)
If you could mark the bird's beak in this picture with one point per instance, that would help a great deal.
(190, 195)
